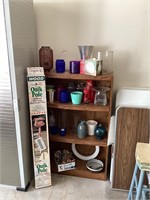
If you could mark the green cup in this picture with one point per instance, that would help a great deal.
(76, 97)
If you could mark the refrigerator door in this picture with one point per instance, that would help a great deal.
(17, 53)
(9, 165)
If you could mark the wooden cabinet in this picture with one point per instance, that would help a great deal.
(68, 115)
(132, 127)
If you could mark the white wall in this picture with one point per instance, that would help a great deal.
(118, 25)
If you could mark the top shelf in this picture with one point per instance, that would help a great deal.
(67, 75)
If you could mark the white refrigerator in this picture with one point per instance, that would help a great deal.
(17, 52)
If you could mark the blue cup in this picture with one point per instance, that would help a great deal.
(74, 67)
(62, 131)
(64, 96)
(53, 130)
(60, 66)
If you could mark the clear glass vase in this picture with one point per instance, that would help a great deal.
(107, 62)
(100, 95)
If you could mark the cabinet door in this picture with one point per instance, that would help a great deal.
(132, 127)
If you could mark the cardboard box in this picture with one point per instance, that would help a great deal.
(90, 67)
(39, 126)
(64, 160)
(93, 67)
(65, 167)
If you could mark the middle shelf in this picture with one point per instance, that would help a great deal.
(81, 107)
(72, 137)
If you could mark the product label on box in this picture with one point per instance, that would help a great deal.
(39, 126)
(36, 88)
(67, 166)
(90, 67)
(40, 143)
(35, 71)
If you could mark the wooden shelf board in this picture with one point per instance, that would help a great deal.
(71, 137)
(67, 75)
(80, 171)
(80, 107)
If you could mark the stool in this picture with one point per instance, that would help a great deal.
(142, 165)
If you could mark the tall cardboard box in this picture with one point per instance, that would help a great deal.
(39, 126)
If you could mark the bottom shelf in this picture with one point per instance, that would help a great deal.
(80, 171)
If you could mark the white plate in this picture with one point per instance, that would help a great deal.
(82, 157)
(95, 165)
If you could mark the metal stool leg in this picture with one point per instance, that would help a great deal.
(132, 182)
(140, 184)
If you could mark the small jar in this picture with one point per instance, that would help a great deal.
(46, 57)
(74, 67)
(60, 66)
(62, 131)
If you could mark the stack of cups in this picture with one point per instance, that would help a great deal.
(51, 95)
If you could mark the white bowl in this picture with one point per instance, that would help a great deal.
(95, 165)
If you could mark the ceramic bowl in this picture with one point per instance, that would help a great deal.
(95, 165)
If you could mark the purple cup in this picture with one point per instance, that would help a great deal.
(74, 67)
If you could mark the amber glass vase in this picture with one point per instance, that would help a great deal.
(46, 57)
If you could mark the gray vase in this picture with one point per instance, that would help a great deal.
(82, 130)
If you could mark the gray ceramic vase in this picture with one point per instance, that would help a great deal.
(82, 129)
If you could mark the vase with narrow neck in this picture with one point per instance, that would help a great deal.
(82, 129)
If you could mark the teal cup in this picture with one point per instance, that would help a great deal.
(76, 97)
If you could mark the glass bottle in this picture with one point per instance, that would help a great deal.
(99, 64)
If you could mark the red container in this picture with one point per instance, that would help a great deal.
(57, 93)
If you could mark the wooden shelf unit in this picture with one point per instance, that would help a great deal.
(73, 113)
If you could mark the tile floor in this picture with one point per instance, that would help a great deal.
(67, 188)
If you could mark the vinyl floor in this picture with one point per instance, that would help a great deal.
(67, 188)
